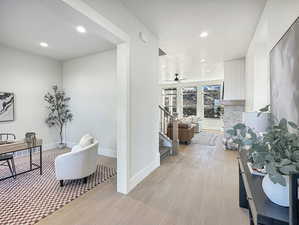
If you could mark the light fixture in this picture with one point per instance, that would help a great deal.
(44, 44)
(81, 29)
(204, 34)
(203, 60)
(163, 66)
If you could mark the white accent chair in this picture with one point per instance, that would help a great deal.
(80, 163)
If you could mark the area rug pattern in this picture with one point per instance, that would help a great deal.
(31, 197)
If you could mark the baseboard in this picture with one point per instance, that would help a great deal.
(46, 147)
(70, 144)
(50, 146)
(107, 152)
(137, 178)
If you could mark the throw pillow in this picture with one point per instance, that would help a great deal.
(86, 140)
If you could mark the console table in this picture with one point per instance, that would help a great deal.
(251, 196)
(21, 145)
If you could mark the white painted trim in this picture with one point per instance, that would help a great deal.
(101, 151)
(50, 146)
(45, 147)
(138, 177)
(200, 96)
(108, 152)
(122, 39)
(123, 117)
(190, 83)
(111, 32)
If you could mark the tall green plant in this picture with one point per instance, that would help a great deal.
(59, 112)
(277, 150)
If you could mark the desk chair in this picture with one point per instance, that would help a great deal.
(8, 158)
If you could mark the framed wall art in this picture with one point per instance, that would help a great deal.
(6, 106)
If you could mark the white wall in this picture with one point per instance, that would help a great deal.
(277, 17)
(234, 79)
(190, 68)
(143, 86)
(90, 81)
(29, 77)
(144, 90)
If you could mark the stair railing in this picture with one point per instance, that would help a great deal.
(168, 120)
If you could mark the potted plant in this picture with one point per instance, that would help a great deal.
(59, 112)
(276, 151)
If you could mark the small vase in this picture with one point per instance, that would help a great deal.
(277, 193)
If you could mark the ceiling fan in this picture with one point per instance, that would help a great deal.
(177, 78)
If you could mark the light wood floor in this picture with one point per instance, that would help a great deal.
(197, 187)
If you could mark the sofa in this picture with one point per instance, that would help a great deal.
(186, 132)
(80, 163)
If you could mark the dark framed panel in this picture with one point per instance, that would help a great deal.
(189, 101)
(213, 108)
(170, 99)
(6, 106)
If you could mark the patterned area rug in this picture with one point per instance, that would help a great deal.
(31, 197)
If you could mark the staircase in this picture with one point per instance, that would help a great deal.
(168, 145)
(165, 147)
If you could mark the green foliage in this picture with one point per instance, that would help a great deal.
(277, 150)
(59, 112)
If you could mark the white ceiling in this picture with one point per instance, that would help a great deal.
(24, 24)
(178, 24)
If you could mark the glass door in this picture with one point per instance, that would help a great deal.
(170, 99)
(213, 108)
(189, 101)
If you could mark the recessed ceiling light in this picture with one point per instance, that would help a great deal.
(203, 60)
(204, 34)
(44, 44)
(163, 66)
(81, 29)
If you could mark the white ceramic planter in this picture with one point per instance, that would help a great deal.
(276, 192)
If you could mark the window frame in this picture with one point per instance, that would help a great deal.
(213, 105)
(182, 101)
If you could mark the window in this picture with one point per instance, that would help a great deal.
(212, 103)
(189, 101)
(170, 99)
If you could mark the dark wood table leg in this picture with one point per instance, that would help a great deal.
(10, 167)
(41, 160)
(30, 156)
(14, 167)
(243, 202)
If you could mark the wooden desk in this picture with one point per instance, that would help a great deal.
(21, 145)
(252, 197)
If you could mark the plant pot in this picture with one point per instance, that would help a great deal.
(277, 193)
(61, 145)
